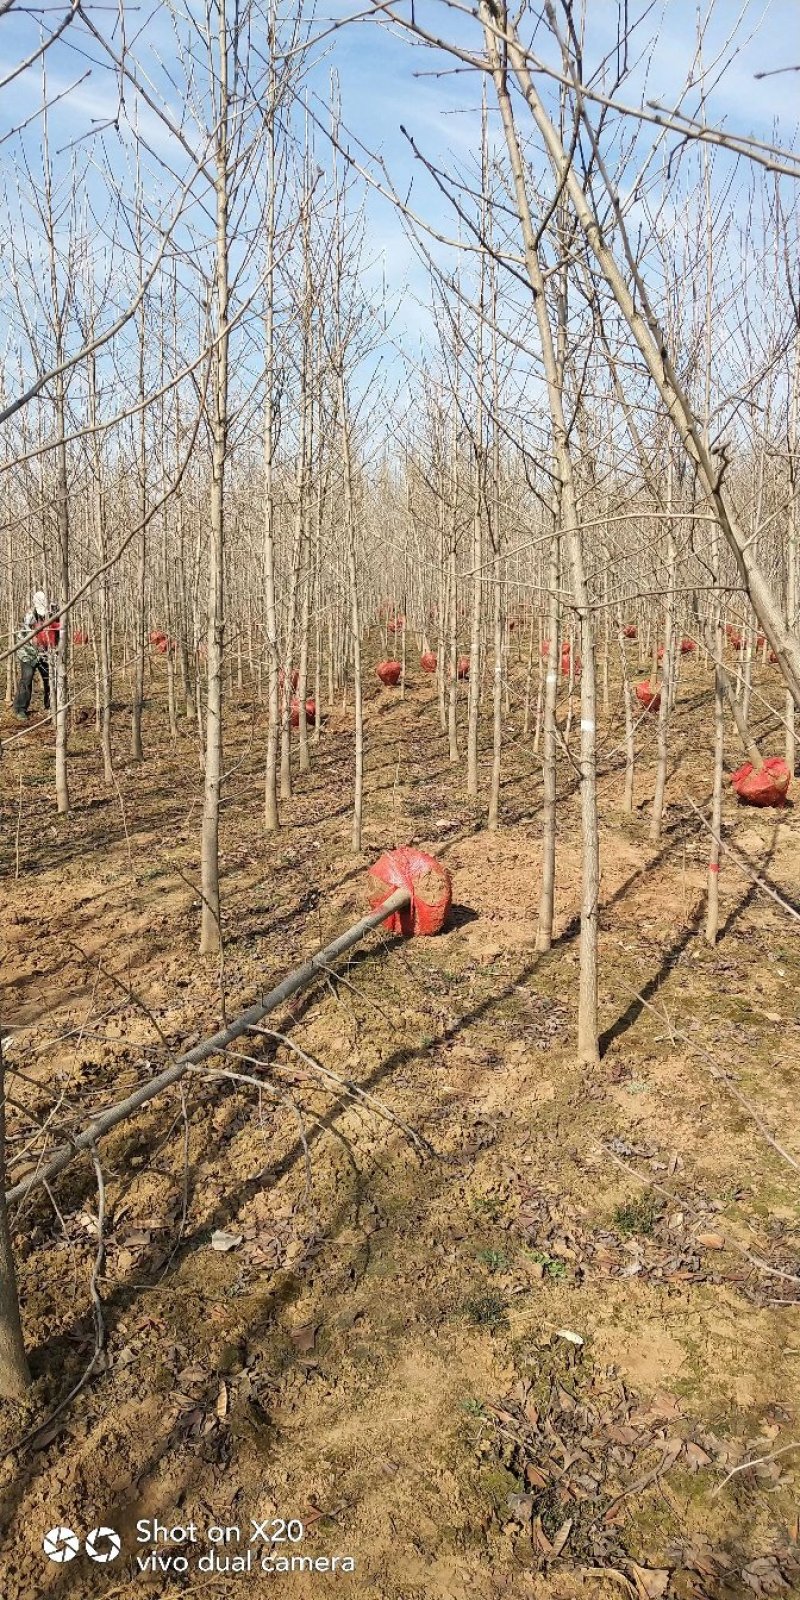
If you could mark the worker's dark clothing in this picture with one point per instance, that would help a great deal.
(28, 670)
(36, 637)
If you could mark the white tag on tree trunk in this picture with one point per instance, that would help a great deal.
(587, 727)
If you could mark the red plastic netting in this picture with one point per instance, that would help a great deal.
(768, 787)
(629, 630)
(79, 637)
(427, 661)
(647, 697)
(688, 647)
(428, 882)
(576, 663)
(462, 670)
(389, 673)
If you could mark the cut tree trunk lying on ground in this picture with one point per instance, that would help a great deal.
(102, 1124)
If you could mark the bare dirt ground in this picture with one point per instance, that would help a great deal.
(521, 1360)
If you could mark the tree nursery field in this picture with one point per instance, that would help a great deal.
(399, 840)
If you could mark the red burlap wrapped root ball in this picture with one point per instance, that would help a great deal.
(428, 882)
(389, 673)
(629, 631)
(647, 697)
(768, 787)
(565, 664)
(462, 668)
(427, 661)
(294, 713)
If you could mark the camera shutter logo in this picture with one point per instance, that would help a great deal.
(61, 1544)
(103, 1544)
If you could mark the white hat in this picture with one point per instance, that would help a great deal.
(40, 602)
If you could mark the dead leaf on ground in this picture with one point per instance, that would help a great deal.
(540, 1538)
(710, 1241)
(651, 1582)
(562, 1537)
(222, 1241)
(304, 1338)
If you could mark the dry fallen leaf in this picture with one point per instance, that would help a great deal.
(567, 1333)
(562, 1537)
(304, 1338)
(222, 1401)
(535, 1478)
(220, 1240)
(540, 1538)
(710, 1241)
(651, 1582)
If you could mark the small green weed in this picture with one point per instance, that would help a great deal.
(552, 1267)
(639, 1214)
(495, 1260)
(487, 1205)
(486, 1310)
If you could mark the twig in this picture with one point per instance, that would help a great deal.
(720, 1076)
(757, 1461)
(282, 1096)
(97, 1306)
(743, 863)
(685, 1205)
(354, 1089)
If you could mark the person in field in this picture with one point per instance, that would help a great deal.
(38, 635)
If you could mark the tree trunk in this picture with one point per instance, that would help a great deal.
(14, 1375)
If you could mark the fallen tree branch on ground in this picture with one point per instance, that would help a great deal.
(102, 1124)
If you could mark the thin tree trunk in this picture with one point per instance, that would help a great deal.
(210, 922)
(14, 1374)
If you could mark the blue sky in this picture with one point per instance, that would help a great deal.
(385, 82)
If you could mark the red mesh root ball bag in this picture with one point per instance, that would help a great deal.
(311, 712)
(647, 697)
(427, 661)
(629, 631)
(79, 637)
(389, 673)
(294, 678)
(688, 647)
(768, 787)
(565, 659)
(428, 882)
(462, 670)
